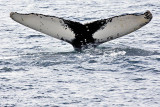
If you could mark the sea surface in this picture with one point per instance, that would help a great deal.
(37, 70)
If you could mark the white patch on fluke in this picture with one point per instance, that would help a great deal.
(49, 25)
(121, 25)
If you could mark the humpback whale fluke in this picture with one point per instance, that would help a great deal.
(80, 35)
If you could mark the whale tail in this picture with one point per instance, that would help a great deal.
(80, 35)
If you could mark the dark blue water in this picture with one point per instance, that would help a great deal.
(37, 70)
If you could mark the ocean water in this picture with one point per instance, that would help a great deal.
(37, 70)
